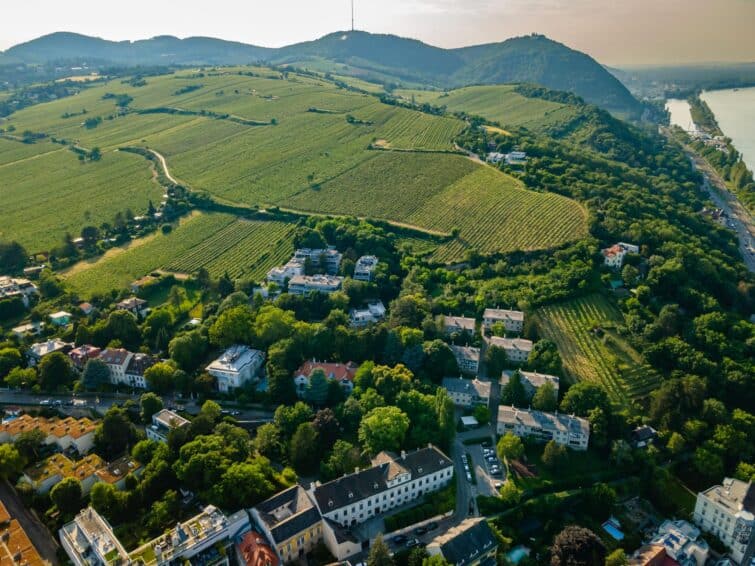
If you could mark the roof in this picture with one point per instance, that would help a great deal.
(318, 280)
(60, 314)
(461, 385)
(235, 358)
(643, 433)
(43, 348)
(118, 469)
(15, 546)
(360, 485)
(288, 513)
(254, 551)
(140, 363)
(55, 427)
(333, 370)
(168, 419)
(511, 343)
(114, 356)
(466, 352)
(131, 303)
(648, 554)
(733, 494)
(545, 421)
(465, 543)
(61, 465)
(535, 379)
(459, 322)
(503, 314)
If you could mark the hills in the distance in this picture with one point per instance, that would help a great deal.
(387, 58)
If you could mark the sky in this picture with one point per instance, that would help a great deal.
(616, 32)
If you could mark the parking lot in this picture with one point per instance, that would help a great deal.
(488, 470)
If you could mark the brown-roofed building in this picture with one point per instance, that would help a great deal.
(65, 433)
(649, 555)
(253, 550)
(16, 548)
(44, 475)
(342, 373)
(81, 355)
(115, 472)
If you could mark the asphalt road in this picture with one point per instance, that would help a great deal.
(40, 537)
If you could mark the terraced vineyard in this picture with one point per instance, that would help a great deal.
(218, 242)
(608, 359)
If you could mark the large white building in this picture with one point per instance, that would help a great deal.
(566, 430)
(163, 422)
(127, 368)
(303, 284)
(237, 366)
(728, 511)
(89, 540)
(513, 321)
(375, 312)
(467, 392)
(467, 358)
(279, 275)
(392, 481)
(21, 288)
(328, 259)
(531, 380)
(37, 351)
(682, 543)
(517, 349)
(365, 268)
(614, 256)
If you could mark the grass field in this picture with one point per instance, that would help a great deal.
(499, 103)
(217, 242)
(608, 359)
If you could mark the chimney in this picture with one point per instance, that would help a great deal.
(403, 454)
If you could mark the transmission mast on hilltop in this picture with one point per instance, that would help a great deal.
(352, 15)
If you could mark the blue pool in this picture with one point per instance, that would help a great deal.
(613, 530)
(517, 553)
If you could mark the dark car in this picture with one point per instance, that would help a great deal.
(399, 539)
(419, 531)
(411, 543)
(431, 526)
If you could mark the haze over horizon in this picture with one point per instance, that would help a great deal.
(615, 33)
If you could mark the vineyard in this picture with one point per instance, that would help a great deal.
(585, 331)
(217, 242)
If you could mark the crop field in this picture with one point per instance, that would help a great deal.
(49, 195)
(499, 103)
(600, 356)
(218, 242)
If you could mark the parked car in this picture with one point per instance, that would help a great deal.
(469, 477)
(399, 539)
(45, 402)
(498, 485)
(419, 531)
(431, 526)
(411, 543)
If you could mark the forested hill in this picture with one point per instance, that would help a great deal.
(388, 58)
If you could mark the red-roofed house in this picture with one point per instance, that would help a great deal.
(614, 256)
(254, 551)
(342, 373)
(81, 355)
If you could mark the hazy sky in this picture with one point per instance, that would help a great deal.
(613, 31)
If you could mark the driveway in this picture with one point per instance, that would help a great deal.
(486, 482)
(40, 537)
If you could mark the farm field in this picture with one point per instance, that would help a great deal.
(201, 240)
(608, 359)
(50, 194)
(499, 103)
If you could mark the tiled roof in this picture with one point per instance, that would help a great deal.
(503, 314)
(332, 370)
(254, 551)
(15, 546)
(114, 356)
(55, 427)
(140, 363)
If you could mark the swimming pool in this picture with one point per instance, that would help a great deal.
(517, 553)
(613, 530)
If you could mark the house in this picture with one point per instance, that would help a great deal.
(116, 472)
(682, 543)
(458, 325)
(81, 355)
(728, 512)
(390, 482)
(138, 364)
(467, 392)
(648, 555)
(236, 367)
(467, 358)
(15, 545)
(495, 157)
(291, 523)
(375, 312)
(531, 380)
(163, 422)
(517, 349)
(342, 373)
(614, 255)
(30, 329)
(33, 271)
(565, 430)
(279, 275)
(365, 268)
(303, 284)
(328, 259)
(513, 321)
(253, 550)
(44, 475)
(141, 283)
(470, 543)
(60, 318)
(516, 158)
(134, 305)
(39, 350)
(86, 308)
(643, 436)
(13, 287)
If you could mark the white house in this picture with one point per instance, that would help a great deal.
(614, 256)
(517, 349)
(236, 366)
(728, 512)
(566, 430)
(458, 325)
(279, 275)
(513, 321)
(495, 157)
(162, 423)
(303, 284)
(467, 392)
(127, 368)
(531, 380)
(682, 543)
(375, 312)
(328, 259)
(22, 288)
(467, 358)
(516, 158)
(365, 268)
(38, 351)
(89, 540)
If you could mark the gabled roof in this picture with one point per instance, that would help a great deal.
(465, 543)
(288, 513)
(332, 370)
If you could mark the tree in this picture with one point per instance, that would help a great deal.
(439, 361)
(233, 326)
(96, 374)
(545, 398)
(211, 410)
(583, 397)
(383, 428)
(510, 494)
(379, 553)
(676, 443)
(630, 274)
(158, 323)
(344, 458)
(577, 546)
(188, 350)
(66, 495)
(115, 433)
(11, 461)
(302, 450)
(513, 393)
(328, 428)
(510, 447)
(545, 358)
(159, 377)
(122, 325)
(554, 455)
(618, 557)
(435, 560)
(21, 378)
(246, 483)
(55, 371)
(317, 390)
(150, 404)
(12, 257)
(9, 358)
(389, 381)
(268, 441)
(273, 324)
(708, 463)
(288, 418)
(106, 499)
(496, 361)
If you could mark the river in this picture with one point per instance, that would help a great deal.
(735, 114)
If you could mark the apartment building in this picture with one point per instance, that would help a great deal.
(163, 422)
(64, 433)
(303, 284)
(236, 367)
(517, 349)
(513, 321)
(566, 430)
(467, 358)
(458, 325)
(467, 392)
(531, 380)
(364, 270)
(471, 543)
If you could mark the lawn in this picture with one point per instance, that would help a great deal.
(580, 470)
(584, 330)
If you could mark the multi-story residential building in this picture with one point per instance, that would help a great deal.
(614, 255)
(517, 349)
(134, 305)
(513, 321)
(116, 360)
(682, 543)
(44, 475)
(21, 288)
(64, 433)
(374, 312)
(39, 350)
(236, 367)
(279, 275)
(138, 364)
(89, 541)
(467, 392)
(16, 547)
(163, 422)
(81, 355)
(728, 511)
(566, 430)
(458, 325)
(467, 358)
(127, 368)
(470, 543)
(28, 329)
(328, 259)
(531, 380)
(390, 482)
(365, 268)
(342, 373)
(291, 522)
(303, 284)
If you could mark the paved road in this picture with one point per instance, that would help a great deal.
(40, 537)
